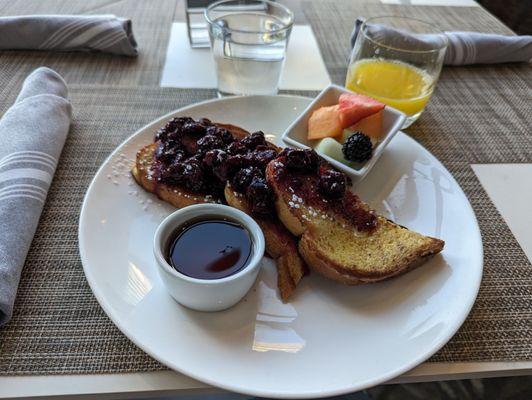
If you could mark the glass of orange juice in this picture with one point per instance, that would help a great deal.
(397, 60)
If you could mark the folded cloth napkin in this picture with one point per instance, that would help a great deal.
(465, 48)
(32, 134)
(106, 33)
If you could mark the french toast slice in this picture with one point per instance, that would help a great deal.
(177, 196)
(343, 239)
(280, 245)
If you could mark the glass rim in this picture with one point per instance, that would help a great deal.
(271, 3)
(437, 31)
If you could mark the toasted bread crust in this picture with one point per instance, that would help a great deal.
(321, 265)
(177, 196)
(280, 245)
(328, 268)
(293, 222)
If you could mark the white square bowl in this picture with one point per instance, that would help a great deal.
(296, 134)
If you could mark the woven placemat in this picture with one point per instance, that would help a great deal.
(58, 327)
(477, 115)
(151, 27)
(333, 21)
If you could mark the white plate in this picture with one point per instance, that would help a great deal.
(331, 339)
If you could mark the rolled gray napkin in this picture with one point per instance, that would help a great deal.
(465, 48)
(105, 33)
(32, 134)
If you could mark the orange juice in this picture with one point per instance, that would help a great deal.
(395, 83)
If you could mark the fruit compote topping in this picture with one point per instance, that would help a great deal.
(332, 183)
(203, 157)
(315, 183)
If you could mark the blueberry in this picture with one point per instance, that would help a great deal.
(261, 156)
(305, 161)
(332, 184)
(236, 148)
(167, 153)
(254, 140)
(216, 161)
(244, 177)
(260, 196)
(209, 142)
(222, 133)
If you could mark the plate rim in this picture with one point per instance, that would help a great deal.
(357, 385)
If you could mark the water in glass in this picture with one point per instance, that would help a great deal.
(248, 63)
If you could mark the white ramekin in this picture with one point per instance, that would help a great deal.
(204, 294)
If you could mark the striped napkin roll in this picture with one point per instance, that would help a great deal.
(465, 48)
(32, 134)
(105, 33)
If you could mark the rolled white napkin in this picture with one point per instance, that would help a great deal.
(32, 135)
(465, 48)
(105, 33)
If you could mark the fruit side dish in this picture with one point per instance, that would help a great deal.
(347, 131)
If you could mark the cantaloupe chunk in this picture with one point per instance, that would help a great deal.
(370, 126)
(324, 122)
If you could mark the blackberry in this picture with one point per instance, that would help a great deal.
(214, 157)
(171, 174)
(161, 134)
(235, 163)
(174, 136)
(357, 147)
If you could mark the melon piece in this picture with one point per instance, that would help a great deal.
(370, 126)
(355, 107)
(332, 148)
(324, 122)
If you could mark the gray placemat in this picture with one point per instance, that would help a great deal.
(58, 326)
(478, 114)
(151, 26)
(333, 22)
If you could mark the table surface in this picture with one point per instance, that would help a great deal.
(164, 383)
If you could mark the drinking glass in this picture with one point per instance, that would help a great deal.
(248, 42)
(198, 35)
(397, 60)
